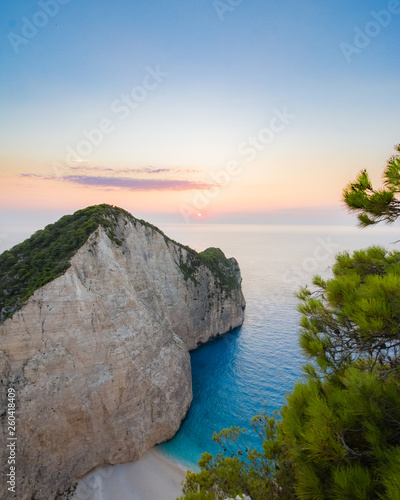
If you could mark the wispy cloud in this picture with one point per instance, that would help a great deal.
(130, 171)
(37, 176)
(137, 184)
(132, 184)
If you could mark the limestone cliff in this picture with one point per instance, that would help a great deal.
(99, 356)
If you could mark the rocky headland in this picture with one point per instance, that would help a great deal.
(95, 339)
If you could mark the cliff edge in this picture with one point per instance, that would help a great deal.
(96, 344)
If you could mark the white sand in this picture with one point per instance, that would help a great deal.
(153, 477)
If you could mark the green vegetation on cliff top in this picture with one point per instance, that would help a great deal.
(217, 263)
(47, 254)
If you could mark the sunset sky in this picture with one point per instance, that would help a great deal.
(241, 111)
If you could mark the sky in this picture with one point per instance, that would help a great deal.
(194, 111)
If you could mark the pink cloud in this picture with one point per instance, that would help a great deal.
(128, 183)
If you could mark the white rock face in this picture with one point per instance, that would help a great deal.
(99, 357)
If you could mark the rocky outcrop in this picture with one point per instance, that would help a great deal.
(99, 357)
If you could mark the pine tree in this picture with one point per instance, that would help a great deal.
(355, 316)
(372, 205)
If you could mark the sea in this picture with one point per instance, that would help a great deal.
(251, 369)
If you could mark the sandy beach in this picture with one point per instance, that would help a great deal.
(153, 477)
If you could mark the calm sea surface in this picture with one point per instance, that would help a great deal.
(234, 376)
(260, 362)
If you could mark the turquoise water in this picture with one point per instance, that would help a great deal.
(260, 362)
